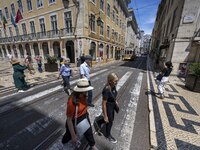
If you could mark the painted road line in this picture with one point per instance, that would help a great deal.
(127, 129)
(93, 112)
(38, 95)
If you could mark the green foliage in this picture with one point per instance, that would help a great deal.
(195, 68)
(51, 59)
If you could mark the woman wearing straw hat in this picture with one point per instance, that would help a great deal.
(18, 76)
(78, 117)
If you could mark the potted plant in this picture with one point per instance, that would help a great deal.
(193, 77)
(51, 65)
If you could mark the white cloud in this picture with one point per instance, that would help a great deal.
(150, 20)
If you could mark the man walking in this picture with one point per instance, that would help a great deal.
(85, 73)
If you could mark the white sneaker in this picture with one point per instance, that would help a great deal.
(20, 91)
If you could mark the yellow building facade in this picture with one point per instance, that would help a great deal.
(67, 28)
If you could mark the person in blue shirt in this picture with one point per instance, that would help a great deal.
(66, 72)
(85, 73)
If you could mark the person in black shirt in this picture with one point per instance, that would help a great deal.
(109, 103)
(165, 78)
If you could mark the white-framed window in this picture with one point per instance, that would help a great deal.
(1, 15)
(29, 5)
(40, 3)
(32, 27)
(20, 5)
(117, 20)
(53, 22)
(92, 23)
(108, 10)
(42, 25)
(10, 30)
(52, 1)
(6, 12)
(113, 14)
(102, 5)
(24, 28)
(113, 32)
(17, 30)
(68, 21)
(13, 9)
(101, 28)
(108, 31)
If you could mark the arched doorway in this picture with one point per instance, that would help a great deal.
(45, 48)
(70, 51)
(9, 49)
(15, 51)
(28, 50)
(56, 49)
(4, 51)
(21, 51)
(112, 53)
(101, 51)
(92, 50)
(107, 52)
(1, 54)
(36, 49)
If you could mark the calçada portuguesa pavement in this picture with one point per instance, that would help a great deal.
(174, 120)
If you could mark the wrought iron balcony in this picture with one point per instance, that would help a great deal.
(39, 35)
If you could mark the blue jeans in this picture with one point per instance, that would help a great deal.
(89, 100)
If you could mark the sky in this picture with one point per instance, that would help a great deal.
(145, 13)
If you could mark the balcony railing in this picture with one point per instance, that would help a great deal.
(39, 35)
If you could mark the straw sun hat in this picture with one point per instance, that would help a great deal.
(15, 61)
(82, 86)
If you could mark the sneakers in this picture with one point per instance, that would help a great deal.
(112, 139)
(20, 91)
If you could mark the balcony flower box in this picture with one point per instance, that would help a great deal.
(51, 65)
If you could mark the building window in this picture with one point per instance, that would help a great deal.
(92, 23)
(17, 31)
(52, 1)
(120, 24)
(108, 31)
(68, 22)
(94, 1)
(42, 25)
(24, 28)
(101, 28)
(10, 30)
(113, 16)
(13, 9)
(0, 34)
(1, 15)
(53, 23)
(39, 3)
(29, 5)
(102, 5)
(32, 26)
(6, 12)
(5, 33)
(117, 20)
(20, 5)
(108, 10)
(113, 33)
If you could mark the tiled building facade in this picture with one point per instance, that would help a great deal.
(64, 28)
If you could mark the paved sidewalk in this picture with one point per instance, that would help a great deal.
(6, 72)
(176, 117)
